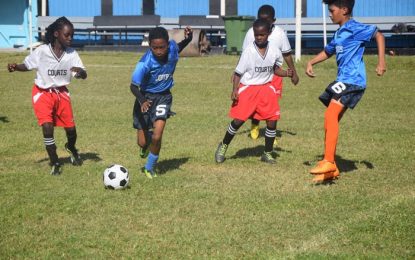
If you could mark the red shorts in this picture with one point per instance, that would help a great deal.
(257, 101)
(277, 83)
(53, 105)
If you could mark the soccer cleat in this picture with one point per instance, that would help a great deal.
(328, 176)
(324, 167)
(56, 169)
(74, 156)
(149, 174)
(254, 134)
(267, 157)
(144, 152)
(220, 152)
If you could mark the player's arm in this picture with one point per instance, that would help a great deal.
(380, 41)
(144, 103)
(80, 73)
(283, 73)
(236, 81)
(188, 36)
(290, 63)
(322, 56)
(11, 67)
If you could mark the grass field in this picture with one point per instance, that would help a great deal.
(197, 209)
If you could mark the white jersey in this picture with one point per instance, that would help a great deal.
(277, 37)
(52, 71)
(256, 69)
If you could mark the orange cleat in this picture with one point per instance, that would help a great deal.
(324, 167)
(328, 176)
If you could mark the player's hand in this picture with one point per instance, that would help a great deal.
(289, 73)
(235, 95)
(309, 70)
(145, 106)
(294, 78)
(79, 72)
(11, 67)
(380, 69)
(188, 32)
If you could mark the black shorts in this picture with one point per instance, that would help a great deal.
(348, 94)
(159, 110)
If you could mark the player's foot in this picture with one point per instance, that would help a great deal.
(328, 176)
(149, 174)
(324, 167)
(144, 152)
(74, 156)
(254, 134)
(220, 152)
(56, 169)
(267, 157)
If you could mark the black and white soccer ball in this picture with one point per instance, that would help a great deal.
(116, 177)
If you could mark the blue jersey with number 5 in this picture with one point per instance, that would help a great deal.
(349, 45)
(154, 77)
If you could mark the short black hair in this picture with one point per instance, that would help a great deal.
(349, 4)
(158, 33)
(56, 26)
(266, 10)
(262, 23)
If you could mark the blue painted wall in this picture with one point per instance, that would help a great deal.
(14, 23)
(364, 8)
(74, 7)
(127, 7)
(175, 8)
(283, 8)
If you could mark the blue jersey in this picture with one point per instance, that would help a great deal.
(154, 77)
(349, 45)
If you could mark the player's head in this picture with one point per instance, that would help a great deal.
(159, 42)
(267, 12)
(339, 9)
(60, 31)
(261, 32)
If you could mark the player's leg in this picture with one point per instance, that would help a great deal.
(71, 136)
(333, 114)
(254, 133)
(154, 148)
(229, 135)
(49, 141)
(270, 133)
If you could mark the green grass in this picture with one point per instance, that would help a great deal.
(198, 209)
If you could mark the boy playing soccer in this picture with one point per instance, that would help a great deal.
(151, 82)
(278, 38)
(253, 93)
(55, 63)
(346, 91)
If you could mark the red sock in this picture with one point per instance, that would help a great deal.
(331, 126)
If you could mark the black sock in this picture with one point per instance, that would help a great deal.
(71, 135)
(230, 133)
(51, 149)
(269, 139)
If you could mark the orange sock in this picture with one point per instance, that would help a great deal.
(331, 126)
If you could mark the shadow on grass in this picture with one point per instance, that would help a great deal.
(85, 157)
(167, 165)
(256, 152)
(4, 119)
(344, 166)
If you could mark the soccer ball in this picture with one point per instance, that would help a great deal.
(115, 177)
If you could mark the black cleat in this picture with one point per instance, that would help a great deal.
(56, 169)
(74, 156)
(267, 157)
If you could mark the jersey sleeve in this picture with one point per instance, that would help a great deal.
(364, 32)
(249, 37)
(241, 68)
(285, 44)
(139, 72)
(330, 47)
(77, 62)
(32, 60)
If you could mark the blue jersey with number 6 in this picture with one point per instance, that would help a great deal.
(349, 45)
(154, 77)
